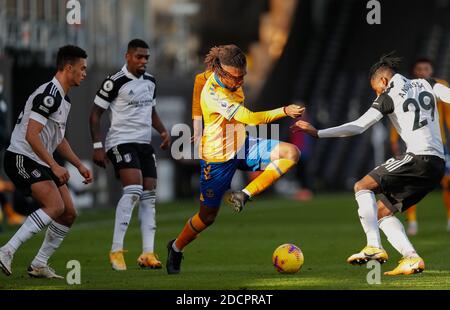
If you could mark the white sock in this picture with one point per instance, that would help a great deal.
(174, 247)
(368, 217)
(53, 237)
(124, 210)
(34, 223)
(395, 233)
(148, 223)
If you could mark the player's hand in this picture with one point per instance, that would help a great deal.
(85, 173)
(99, 157)
(305, 127)
(61, 173)
(294, 110)
(165, 140)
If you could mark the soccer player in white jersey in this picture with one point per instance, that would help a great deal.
(130, 96)
(29, 163)
(401, 181)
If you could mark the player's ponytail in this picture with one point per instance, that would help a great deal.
(387, 61)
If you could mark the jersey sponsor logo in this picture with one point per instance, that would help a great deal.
(127, 157)
(131, 93)
(141, 103)
(108, 85)
(36, 173)
(49, 101)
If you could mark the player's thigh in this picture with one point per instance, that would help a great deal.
(368, 182)
(215, 180)
(70, 213)
(147, 161)
(130, 176)
(46, 193)
(257, 154)
(284, 150)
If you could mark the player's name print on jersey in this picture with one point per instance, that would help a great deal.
(411, 107)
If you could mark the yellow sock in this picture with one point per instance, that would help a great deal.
(272, 173)
(193, 227)
(411, 214)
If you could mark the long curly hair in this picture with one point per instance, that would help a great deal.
(229, 55)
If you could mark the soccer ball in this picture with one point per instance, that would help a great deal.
(287, 258)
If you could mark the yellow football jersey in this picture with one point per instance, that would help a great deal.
(222, 136)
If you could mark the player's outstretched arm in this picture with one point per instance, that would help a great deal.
(248, 117)
(68, 154)
(33, 138)
(349, 129)
(442, 92)
(99, 156)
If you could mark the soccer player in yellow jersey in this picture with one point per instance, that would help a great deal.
(225, 146)
(423, 68)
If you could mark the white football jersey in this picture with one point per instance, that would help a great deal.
(411, 107)
(49, 106)
(131, 101)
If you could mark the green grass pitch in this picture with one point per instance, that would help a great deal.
(235, 253)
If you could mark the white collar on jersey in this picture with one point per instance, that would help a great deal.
(130, 75)
(58, 85)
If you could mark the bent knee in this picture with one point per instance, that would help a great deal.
(291, 152)
(359, 186)
(70, 216)
(208, 219)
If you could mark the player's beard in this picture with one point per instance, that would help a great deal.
(140, 71)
